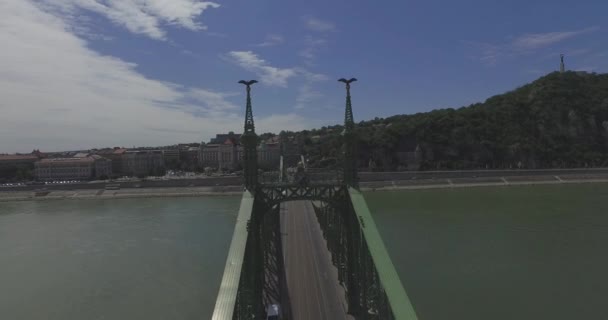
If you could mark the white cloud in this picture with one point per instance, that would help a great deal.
(268, 74)
(147, 17)
(533, 41)
(279, 77)
(57, 94)
(306, 95)
(311, 76)
(311, 47)
(490, 53)
(319, 25)
(271, 40)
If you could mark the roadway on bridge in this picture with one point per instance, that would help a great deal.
(312, 280)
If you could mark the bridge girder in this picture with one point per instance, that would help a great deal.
(271, 195)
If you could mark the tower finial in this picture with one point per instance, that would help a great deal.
(562, 68)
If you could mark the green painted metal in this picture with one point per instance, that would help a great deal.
(254, 277)
(272, 195)
(250, 141)
(398, 300)
(349, 145)
(227, 296)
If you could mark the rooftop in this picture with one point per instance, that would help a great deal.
(68, 160)
(13, 157)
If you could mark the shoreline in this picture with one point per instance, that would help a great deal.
(102, 194)
(482, 184)
(180, 192)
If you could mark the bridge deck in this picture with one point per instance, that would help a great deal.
(312, 280)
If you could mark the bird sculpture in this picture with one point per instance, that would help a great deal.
(248, 83)
(347, 81)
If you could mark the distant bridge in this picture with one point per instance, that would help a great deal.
(321, 257)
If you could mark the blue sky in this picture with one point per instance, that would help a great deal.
(94, 73)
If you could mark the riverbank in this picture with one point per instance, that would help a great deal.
(119, 194)
(451, 184)
(369, 186)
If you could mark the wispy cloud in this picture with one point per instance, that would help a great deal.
(311, 76)
(312, 45)
(532, 41)
(96, 100)
(271, 40)
(149, 17)
(268, 74)
(306, 95)
(319, 25)
(490, 53)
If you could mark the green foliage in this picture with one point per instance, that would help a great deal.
(557, 121)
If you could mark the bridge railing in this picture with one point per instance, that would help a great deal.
(227, 298)
(365, 270)
(254, 272)
(387, 276)
(254, 275)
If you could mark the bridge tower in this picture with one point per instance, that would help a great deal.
(250, 140)
(349, 152)
(255, 274)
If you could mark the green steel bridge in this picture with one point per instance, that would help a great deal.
(262, 267)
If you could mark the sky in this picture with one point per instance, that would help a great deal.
(80, 74)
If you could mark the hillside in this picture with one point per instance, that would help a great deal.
(557, 121)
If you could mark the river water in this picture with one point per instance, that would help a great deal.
(526, 252)
(534, 252)
(122, 259)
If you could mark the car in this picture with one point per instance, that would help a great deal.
(272, 312)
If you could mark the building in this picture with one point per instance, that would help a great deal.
(114, 154)
(190, 156)
(223, 156)
(18, 166)
(221, 138)
(16, 160)
(269, 154)
(209, 155)
(171, 156)
(227, 154)
(84, 168)
(143, 163)
(81, 155)
(223, 152)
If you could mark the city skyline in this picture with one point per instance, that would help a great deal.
(79, 74)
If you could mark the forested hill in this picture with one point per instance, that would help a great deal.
(559, 120)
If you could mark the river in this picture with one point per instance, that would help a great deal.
(113, 259)
(526, 252)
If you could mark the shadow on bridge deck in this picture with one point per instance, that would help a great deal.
(312, 279)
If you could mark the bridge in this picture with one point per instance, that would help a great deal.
(307, 243)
